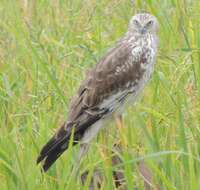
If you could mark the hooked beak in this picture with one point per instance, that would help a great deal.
(143, 30)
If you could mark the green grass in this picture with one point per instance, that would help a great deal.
(45, 49)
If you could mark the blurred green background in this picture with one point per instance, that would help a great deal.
(45, 48)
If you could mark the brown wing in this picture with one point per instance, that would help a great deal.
(109, 76)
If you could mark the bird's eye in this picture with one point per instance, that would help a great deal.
(149, 23)
(136, 22)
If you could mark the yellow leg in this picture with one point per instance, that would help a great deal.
(119, 121)
(121, 129)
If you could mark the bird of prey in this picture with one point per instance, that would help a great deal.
(117, 79)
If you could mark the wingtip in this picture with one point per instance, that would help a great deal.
(44, 168)
(39, 159)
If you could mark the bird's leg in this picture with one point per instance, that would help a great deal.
(121, 128)
(118, 175)
(103, 150)
(119, 121)
(83, 150)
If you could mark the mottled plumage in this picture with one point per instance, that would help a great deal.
(116, 79)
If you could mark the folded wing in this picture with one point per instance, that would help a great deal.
(104, 86)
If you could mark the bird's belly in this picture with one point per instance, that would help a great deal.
(135, 91)
(128, 95)
(142, 82)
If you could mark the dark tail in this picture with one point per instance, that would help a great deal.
(60, 142)
(54, 148)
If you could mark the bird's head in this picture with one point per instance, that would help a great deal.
(143, 23)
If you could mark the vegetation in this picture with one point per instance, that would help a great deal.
(45, 49)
